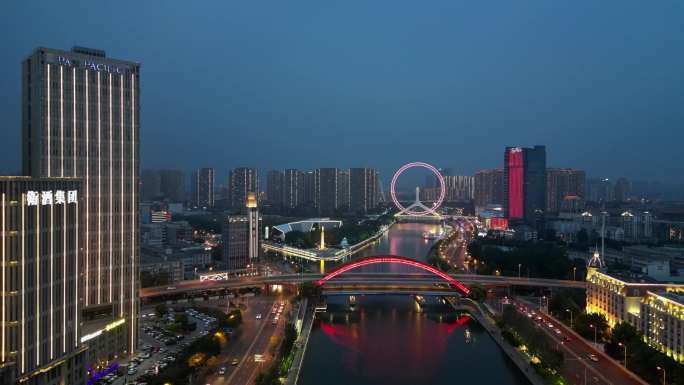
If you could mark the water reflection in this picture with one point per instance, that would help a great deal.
(405, 239)
(388, 342)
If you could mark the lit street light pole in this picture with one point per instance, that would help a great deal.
(595, 329)
(624, 346)
(664, 375)
(570, 311)
(519, 266)
(574, 273)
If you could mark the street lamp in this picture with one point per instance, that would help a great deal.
(574, 271)
(624, 346)
(595, 329)
(664, 375)
(519, 266)
(570, 311)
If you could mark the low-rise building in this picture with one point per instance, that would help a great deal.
(153, 266)
(179, 264)
(178, 233)
(618, 296)
(662, 322)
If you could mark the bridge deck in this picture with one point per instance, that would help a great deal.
(354, 278)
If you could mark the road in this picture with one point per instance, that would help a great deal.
(457, 250)
(255, 337)
(577, 350)
(196, 286)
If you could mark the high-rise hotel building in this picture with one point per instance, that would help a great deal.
(40, 306)
(81, 119)
(203, 187)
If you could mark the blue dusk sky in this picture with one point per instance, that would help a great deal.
(310, 83)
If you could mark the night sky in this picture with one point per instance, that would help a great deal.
(305, 84)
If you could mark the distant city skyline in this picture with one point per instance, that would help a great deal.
(451, 84)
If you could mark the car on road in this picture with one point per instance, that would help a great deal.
(593, 357)
(258, 316)
(222, 371)
(234, 362)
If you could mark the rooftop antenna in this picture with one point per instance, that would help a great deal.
(603, 231)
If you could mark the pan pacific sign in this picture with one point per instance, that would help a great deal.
(91, 64)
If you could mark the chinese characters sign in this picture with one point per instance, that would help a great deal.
(49, 198)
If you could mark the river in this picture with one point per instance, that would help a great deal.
(387, 341)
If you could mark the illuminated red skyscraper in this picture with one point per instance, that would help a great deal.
(524, 182)
(514, 172)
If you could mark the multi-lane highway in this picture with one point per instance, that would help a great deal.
(257, 333)
(581, 357)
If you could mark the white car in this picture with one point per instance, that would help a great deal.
(258, 316)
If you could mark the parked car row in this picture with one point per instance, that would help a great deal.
(207, 319)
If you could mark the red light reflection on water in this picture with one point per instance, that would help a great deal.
(373, 350)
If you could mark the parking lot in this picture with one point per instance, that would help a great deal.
(159, 346)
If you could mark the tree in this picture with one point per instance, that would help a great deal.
(540, 259)
(564, 301)
(583, 237)
(538, 342)
(477, 292)
(309, 290)
(234, 318)
(289, 338)
(592, 325)
(161, 310)
(299, 239)
(642, 359)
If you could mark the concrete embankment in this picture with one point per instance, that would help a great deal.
(301, 344)
(518, 357)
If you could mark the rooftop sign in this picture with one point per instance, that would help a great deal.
(89, 64)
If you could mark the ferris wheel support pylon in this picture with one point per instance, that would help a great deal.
(411, 210)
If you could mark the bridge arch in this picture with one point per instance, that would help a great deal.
(393, 259)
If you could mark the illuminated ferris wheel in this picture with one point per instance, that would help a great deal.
(417, 208)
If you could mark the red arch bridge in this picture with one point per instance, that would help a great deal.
(345, 277)
(353, 278)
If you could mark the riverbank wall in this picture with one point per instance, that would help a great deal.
(518, 357)
(301, 344)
